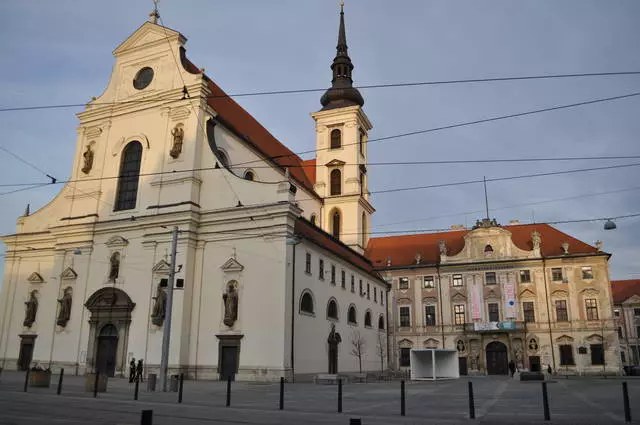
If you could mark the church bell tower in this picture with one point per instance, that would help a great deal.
(341, 159)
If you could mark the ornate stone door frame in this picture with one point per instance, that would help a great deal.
(109, 305)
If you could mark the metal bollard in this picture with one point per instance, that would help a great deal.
(472, 406)
(135, 393)
(26, 380)
(282, 393)
(625, 398)
(355, 421)
(339, 395)
(545, 402)
(180, 388)
(228, 392)
(60, 381)
(95, 385)
(402, 406)
(147, 417)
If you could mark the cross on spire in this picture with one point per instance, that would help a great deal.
(155, 15)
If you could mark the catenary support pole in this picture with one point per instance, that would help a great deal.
(95, 384)
(166, 334)
(545, 402)
(282, 393)
(180, 388)
(625, 398)
(402, 405)
(472, 406)
(60, 381)
(339, 395)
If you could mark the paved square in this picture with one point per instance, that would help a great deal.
(497, 400)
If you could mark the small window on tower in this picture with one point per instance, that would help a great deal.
(336, 139)
(336, 182)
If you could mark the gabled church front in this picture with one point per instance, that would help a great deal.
(271, 277)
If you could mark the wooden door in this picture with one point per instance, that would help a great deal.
(106, 356)
(462, 365)
(26, 354)
(497, 359)
(229, 362)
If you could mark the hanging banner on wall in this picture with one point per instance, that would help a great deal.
(476, 301)
(509, 290)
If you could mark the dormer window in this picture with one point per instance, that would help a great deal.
(336, 139)
(488, 250)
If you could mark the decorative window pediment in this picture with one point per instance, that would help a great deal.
(162, 268)
(68, 274)
(117, 242)
(559, 294)
(492, 295)
(458, 296)
(431, 343)
(335, 163)
(35, 277)
(592, 292)
(564, 339)
(594, 339)
(232, 265)
(405, 343)
(527, 293)
(404, 301)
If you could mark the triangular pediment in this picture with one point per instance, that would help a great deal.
(35, 277)
(564, 339)
(589, 292)
(527, 293)
(335, 163)
(148, 34)
(116, 241)
(405, 343)
(431, 343)
(492, 295)
(594, 338)
(634, 299)
(458, 296)
(232, 265)
(559, 293)
(68, 274)
(162, 267)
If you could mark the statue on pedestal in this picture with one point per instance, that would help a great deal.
(31, 309)
(230, 299)
(64, 314)
(333, 340)
(159, 307)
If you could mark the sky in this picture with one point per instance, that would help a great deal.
(60, 52)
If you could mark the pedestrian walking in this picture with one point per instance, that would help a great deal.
(512, 368)
(139, 371)
(132, 369)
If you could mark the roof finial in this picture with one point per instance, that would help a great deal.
(155, 15)
(342, 93)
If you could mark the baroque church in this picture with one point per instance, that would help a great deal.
(271, 280)
(276, 274)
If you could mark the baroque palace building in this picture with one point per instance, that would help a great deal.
(527, 293)
(626, 300)
(271, 277)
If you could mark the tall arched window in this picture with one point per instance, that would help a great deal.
(336, 139)
(222, 157)
(351, 315)
(128, 178)
(306, 303)
(313, 219)
(332, 310)
(335, 224)
(336, 182)
(381, 323)
(367, 319)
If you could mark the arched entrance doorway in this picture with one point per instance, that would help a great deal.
(108, 330)
(497, 359)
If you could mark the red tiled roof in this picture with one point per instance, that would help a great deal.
(403, 249)
(309, 168)
(622, 290)
(242, 123)
(318, 236)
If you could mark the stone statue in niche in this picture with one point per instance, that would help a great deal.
(88, 160)
(114, 266)
(536, 240)
(443, 247)
(230, 298)
(533, 345)
(333, 340)
(178, 137)
(517, 349)
(159, 306)
(31, 309)
(460, 346)
(64, 314)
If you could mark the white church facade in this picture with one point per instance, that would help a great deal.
(271, 276)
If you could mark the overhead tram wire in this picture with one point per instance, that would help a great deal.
(362, 87)
(392, 163)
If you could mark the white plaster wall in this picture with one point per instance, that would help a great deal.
(311, 355)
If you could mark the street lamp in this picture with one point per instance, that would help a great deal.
(610, 225)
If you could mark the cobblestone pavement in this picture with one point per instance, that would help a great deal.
(497, 400)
